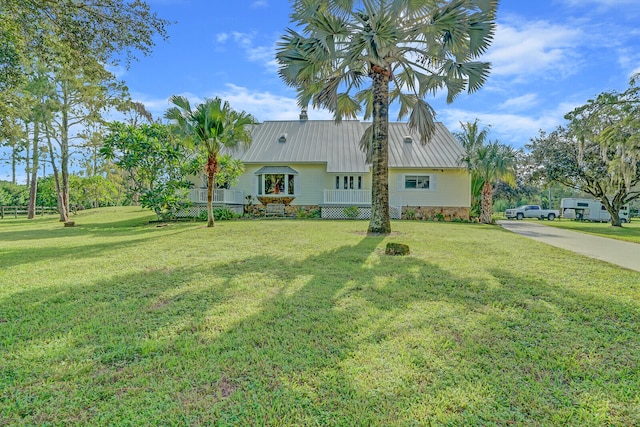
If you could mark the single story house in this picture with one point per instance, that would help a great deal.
(318, 165)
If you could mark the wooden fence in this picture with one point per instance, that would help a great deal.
(15, 211)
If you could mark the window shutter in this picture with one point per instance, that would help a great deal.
(433, 182)
(297, 182)
(400, 182)
(254, 186)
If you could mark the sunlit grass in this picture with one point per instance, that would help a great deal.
(286, 322)
(629, 232)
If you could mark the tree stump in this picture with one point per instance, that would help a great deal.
(70, 224)
(397, 249)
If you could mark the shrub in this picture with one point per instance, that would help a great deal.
(410, 214)
(351, 212)
(219, 214)
(165, 200)
(14, 194)
(223, 214)
(439, 217)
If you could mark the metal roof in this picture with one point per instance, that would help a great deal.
(441, 151)
(336, 145)
(283, 170)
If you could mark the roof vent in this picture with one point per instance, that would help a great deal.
(283, 138)
(408, 139)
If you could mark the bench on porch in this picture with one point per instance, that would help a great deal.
(275, 209)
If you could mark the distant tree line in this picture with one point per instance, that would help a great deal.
(596, 155)
(55, 87)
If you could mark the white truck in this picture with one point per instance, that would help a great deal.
(532, 211)
(589, 210)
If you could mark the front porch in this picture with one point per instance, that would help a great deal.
(353, 204)
(347, 197)
(220, 196)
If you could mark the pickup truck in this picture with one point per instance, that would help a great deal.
(531, 211)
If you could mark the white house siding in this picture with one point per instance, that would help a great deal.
(452, 188)
(311, 181)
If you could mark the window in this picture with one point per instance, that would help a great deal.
(420, 182)
(277, 181)
(349, 182)
(281, 184)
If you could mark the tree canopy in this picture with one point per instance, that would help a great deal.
(598, 152)
(111, 31)
(210, 126)
(358, 56)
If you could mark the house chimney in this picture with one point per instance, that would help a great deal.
(303, 114)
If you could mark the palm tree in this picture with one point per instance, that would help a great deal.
(493, 162)
(385, 51)
(211, 126)
(472, 137)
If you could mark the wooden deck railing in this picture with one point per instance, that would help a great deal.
(199, 195)
(347, 197)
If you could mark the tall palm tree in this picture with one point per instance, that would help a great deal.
(211, 126)
(358, 56)
(493, 162)
(472, 137)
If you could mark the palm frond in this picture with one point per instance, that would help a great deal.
(366, 143)
(422, 120)
(365, 97)
(346, 107)
(407, 103)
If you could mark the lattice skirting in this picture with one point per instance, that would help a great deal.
(195, 211)
(342, 212)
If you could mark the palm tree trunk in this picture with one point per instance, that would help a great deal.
(380, 222)
(486, 216)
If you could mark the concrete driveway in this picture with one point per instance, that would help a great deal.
(625, 254)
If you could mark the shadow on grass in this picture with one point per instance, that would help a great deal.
(264, 341)
(83, 228)
(113, 241)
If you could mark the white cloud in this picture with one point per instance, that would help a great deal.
(264, 54)
(259, 4)
(604, 3)
(629, 59)
(521, 102)
(534, 48)
(263, 105)
(267, 106)
(158, 106)
(509, 128)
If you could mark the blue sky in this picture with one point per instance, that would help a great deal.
(548, 57)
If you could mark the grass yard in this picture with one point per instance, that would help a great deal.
(118, 322)
(629, 232)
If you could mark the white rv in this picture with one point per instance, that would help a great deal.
(589, 210)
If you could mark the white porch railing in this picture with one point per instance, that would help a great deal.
(347, 197)
(230, 197)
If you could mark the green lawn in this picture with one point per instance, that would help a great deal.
(118, 322)
(629, 232)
